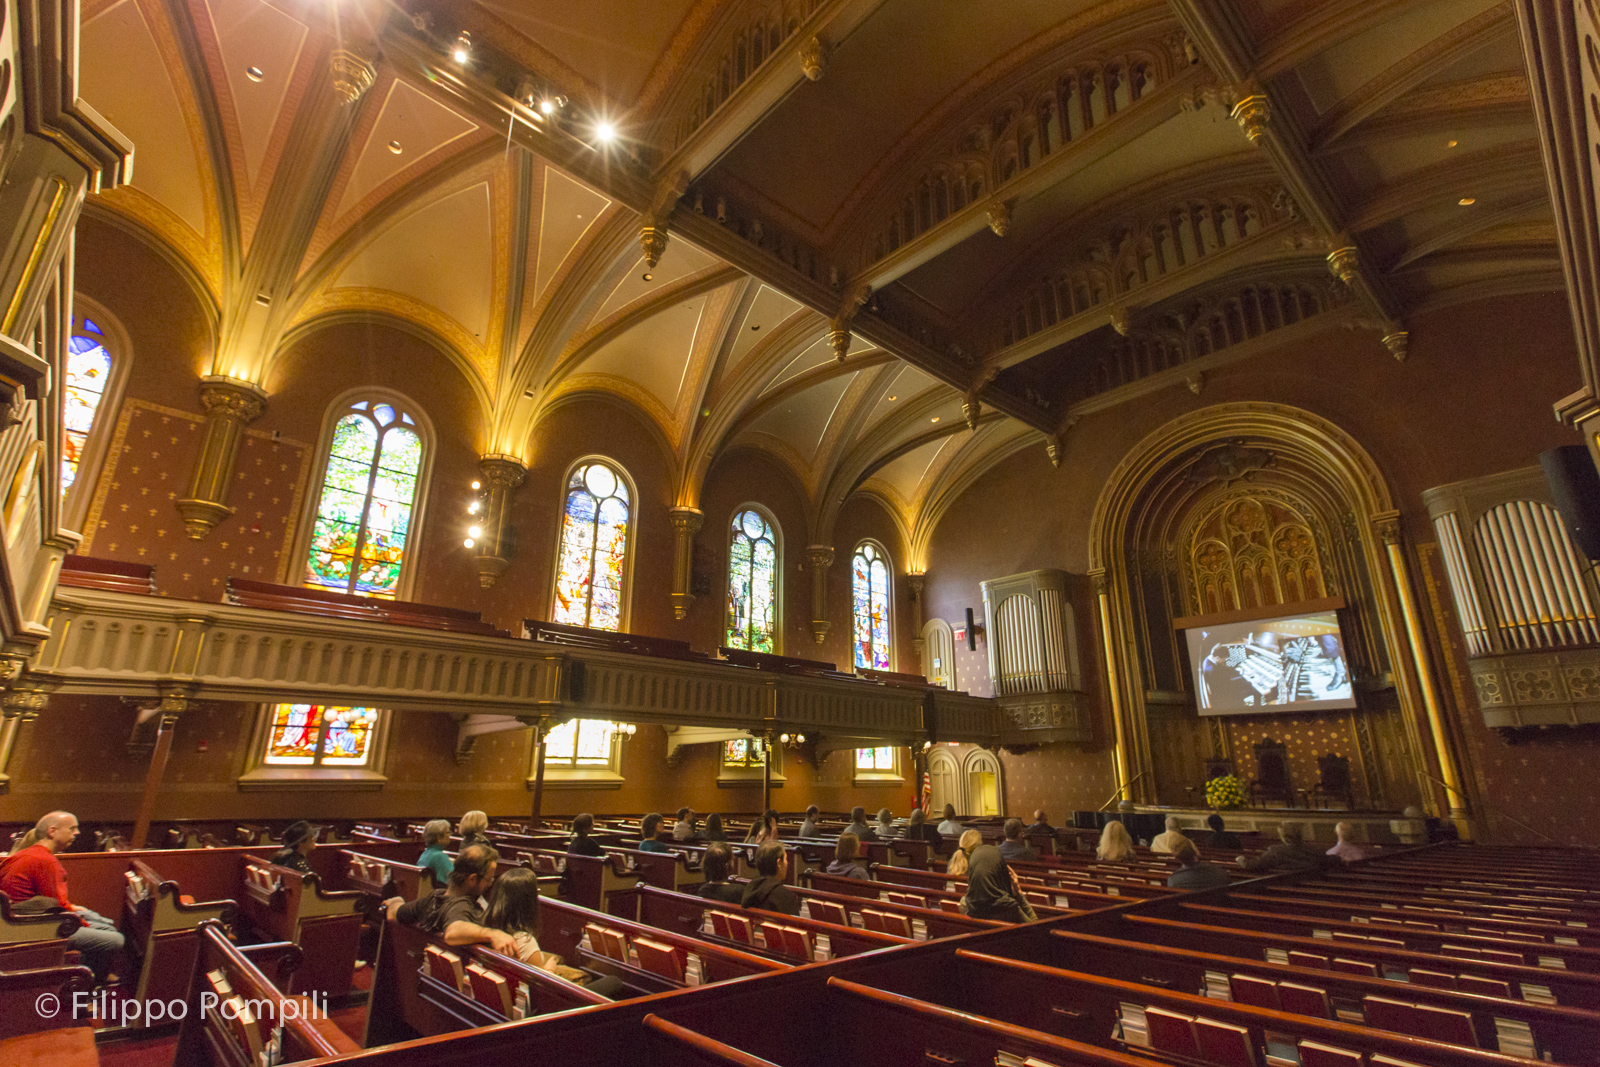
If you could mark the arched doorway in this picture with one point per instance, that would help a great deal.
(939, 654)
(944, 772)
(981, 774)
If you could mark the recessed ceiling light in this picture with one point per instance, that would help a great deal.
(1451, 143)
(647, 276)
(580, 214)
(757, 326)
(394, 146)
(463, 47)
(934, 419)
(1467, 201)
(254, 73)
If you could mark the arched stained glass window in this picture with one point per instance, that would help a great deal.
(590, 568)
(320, 735)
(752, 583)
(869, 589)
(363, 520)
(87, 374)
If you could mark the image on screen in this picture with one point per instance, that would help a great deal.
(1293, 663)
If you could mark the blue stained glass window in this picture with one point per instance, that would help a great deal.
(752, 583)
(363, 517)
(590, 565)
(88, 371)
(869, 589)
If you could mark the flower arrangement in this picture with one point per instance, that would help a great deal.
(1225, 792)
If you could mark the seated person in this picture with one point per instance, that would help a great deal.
(764, 829)
(1014, 848)
(649, 827)
(969, 840)
(1041, 824)
(582, 844)
(1220, 838)
(1290, 854)
(884, 827)
(847, 859)
(1195, 873)
(514, 909)
(1168, 842)
(473, 828)
(35, 882)
(453, 912)
(992, 890)
(768, 890)
(950, 826)
(684, 828)
(858, 824)
(1116, 844)
(435, 836)
(809, 827)
(714, 830)
(1346, 850)
(299, 838)
(917, 829)
(716, 864)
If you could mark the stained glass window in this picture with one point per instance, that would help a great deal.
(594, 549)
(88, 371)
(875, 759)
(579, 743)
(321, 735)
(752, 583)
(742, 752)
(869, 588)
(368, 493)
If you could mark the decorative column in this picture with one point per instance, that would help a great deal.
(23, 701)
(1388, 527)
(1102, 590)
(918, 582)
(230, 405)
(541, 728)
(685, 524)
(167, 710)
(766, 771)
(501, 474)
(821, 558)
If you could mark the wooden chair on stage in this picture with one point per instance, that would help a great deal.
(1336, 782)
(1271, 782)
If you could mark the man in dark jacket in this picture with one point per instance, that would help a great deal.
(1290, 854)
(453, 912)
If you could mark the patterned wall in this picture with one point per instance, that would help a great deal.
(1060, 779)
(1306, 736)
(133, 514)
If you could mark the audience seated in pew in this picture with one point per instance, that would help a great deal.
(684, 828)
(769, 891)
(435, 836)
(453, 912)
(919, 830)
(992, 889)
(950, 826)
(1347, 851)
(1167, 841)
(34, 881)
(299, 839)
(1041, 824)
(715, 865)
(1220, 838)
(1291, 853)
(858, 824)
(514, 909)
(808, 828)
(713, 830)
(764, 829)
(847, 859)
(1195, 873)
(649, 826)
(582, 844)
(1116, 844)
(969, 840)
(473, 829)
(1014, 847)
(884, 827)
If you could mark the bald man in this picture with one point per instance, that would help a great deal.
(34, 881)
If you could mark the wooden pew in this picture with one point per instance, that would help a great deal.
(1084, 894)
(385, 878)
(46, 926)
(878, 891)
(929, 923)
(161, 927)
(597, 882)
(285, 905)
(1284, 898)
(207, 1036)
(689, 915)
(1530, 908)
(60, 1039)
(304, 601)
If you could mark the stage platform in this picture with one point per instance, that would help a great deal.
(1379, 827)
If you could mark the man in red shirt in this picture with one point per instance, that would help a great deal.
(34, 881)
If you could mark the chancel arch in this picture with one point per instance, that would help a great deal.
(1247, 506)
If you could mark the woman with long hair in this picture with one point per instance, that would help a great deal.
(514, 908)
(714, 830)
(1116, 846)
(766, 829)
(957, 867)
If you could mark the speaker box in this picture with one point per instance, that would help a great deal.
(1575, 486)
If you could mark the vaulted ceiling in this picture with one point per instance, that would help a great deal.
(902, 238)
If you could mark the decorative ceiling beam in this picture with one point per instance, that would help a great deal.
(1505, 169)
(1477, 222)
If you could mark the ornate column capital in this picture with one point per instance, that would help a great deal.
(687, 519)
(500, 475)
(502, 471)
(918, 580)
(352, 75)
(1102, 582)
(819, 556)
(1387, 526)
(231, 398)
(1345, 263)
(686, 522)
(230, 405)
(1253, 113)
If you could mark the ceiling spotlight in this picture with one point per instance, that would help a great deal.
(893, 397)
(475, 485)
(605, 133)
(463, 47)
(253, 73)
(1467, 201)
(1451, 143)
(472, 508)
(467, 543)
(647, 276)
(474, 531)
(934, 419)
(757, 326)
(547, 105)
(394, 146)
